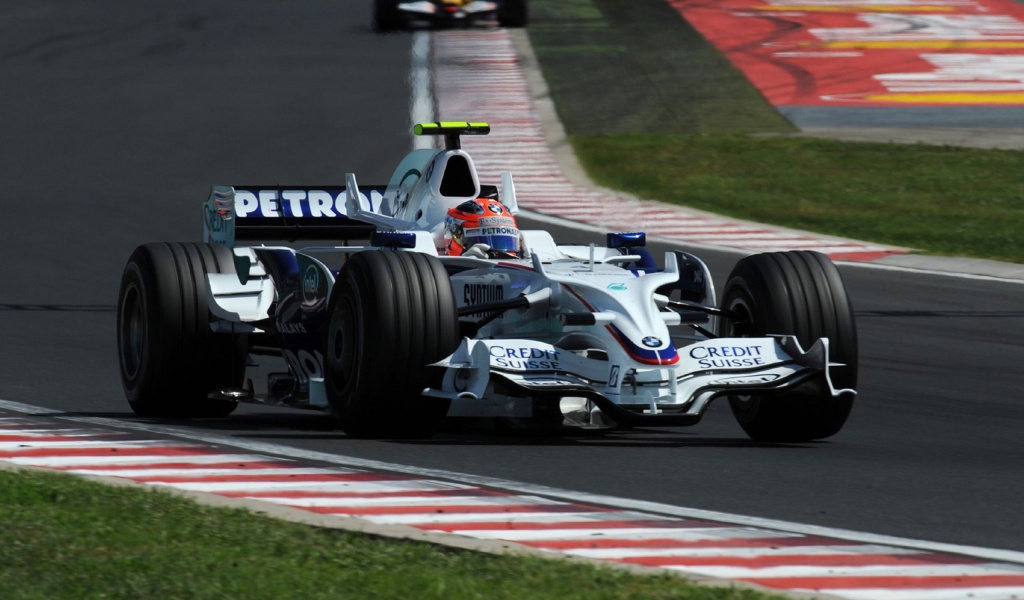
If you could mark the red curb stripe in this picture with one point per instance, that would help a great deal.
(594, 524)
(443, 509)
(109, 451)
(178, 465)
(752, 542)
(303, 477)
(297, 494)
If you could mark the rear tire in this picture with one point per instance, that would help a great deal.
(391, 314)
(798, 293)
(513, 13)
(170, 359)
(386, 16)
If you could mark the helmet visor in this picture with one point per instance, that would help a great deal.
(499, 233)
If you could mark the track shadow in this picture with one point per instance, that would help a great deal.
(287, 427)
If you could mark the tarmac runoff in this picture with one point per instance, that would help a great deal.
(995, 128)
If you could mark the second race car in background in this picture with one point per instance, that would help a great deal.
(393, 15)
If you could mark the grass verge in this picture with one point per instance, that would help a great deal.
(62, 536)
(654, 110)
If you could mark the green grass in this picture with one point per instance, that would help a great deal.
(62, 536)
(668, 118)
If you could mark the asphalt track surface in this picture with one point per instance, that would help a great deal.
(118, 118)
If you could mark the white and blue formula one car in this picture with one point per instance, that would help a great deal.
(400, 333)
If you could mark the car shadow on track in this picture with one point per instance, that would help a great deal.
(311, 427)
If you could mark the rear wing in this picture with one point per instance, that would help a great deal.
(289, 213)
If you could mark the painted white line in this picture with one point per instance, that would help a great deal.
(928, 271)
(902, 572)
(972, 593)
(421, 107)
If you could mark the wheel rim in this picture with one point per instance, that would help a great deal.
(741, 326)
(342, 344)
(132, 336)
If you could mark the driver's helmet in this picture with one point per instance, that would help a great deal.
(482, 221)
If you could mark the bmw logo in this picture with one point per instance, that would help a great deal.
(651, 341)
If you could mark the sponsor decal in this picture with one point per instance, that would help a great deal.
(524, 358)
(305, 364)
(311, 285)
(495, 222)
(291, 328)
(651, 341)
(481, 231)
(662, 356)
(748, 379)
(618, 287)
(295, 203)
(545, 382)
(613, 376)
(214, 221)
(871, 52)
(727, 357)
(482, 293)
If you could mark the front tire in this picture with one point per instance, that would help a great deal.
(798, 293)
(170, 359)
(391, 314)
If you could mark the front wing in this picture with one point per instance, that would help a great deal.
(501, 378)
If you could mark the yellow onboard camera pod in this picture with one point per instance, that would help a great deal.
(451, 130)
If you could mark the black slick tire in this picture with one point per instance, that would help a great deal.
(513, 13)
(391, 314)
(170, 359)
(798, 293)
(386, 16)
